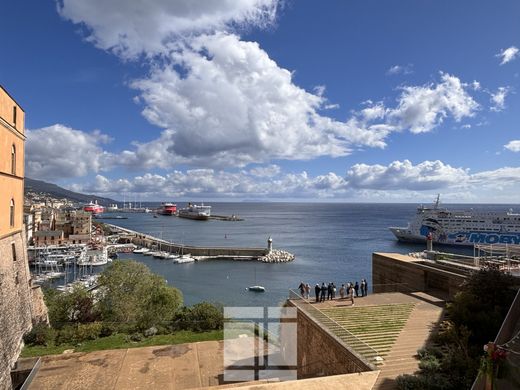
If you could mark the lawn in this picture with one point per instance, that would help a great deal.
(118, 341)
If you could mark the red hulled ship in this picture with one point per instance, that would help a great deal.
(93, 208)
(167, 209)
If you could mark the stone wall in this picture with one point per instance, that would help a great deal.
(395, 272)
(15, 303)
(322, 354)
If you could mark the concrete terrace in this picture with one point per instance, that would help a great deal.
(391, 326)
(175, 367)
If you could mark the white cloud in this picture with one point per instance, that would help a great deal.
(267, 171)
(400, 69)
(222, 102)
(233, 105)
(130, 28)
(421, 108)
(58, 151)
(498, 99)
(508, 54)
(398, 181)
(513, 146)
(399, 175)
(205, 183)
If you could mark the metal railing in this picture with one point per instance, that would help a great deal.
(356, 344)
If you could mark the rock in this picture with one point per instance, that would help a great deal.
(277, 256)
(68, 351)
(150, 331)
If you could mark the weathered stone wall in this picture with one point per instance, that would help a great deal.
(322, 354)
(39, 313)
(389, 269)
(15, 303)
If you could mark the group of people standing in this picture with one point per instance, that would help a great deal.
(348, 290)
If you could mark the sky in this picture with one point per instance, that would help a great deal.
(291, 100)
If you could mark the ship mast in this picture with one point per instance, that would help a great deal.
(437, 201)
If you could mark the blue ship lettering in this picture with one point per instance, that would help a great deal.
(486, 238)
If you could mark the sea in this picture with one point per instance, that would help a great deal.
(332, 242)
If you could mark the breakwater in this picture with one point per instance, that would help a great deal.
(267, 254)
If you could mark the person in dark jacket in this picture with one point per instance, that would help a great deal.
(329, 291)
(356, 289)
(323, 292)
(317, 291)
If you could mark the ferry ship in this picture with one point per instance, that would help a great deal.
(167, 209)
(194, 211)
(466, 227)
(93, 208)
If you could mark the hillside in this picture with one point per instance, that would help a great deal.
(54, 190)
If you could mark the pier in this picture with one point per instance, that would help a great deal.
(266, 254)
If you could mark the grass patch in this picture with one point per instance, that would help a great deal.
(119, 341)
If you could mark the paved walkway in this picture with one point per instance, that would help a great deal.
(180, 366)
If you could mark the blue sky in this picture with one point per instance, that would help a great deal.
(331, 101)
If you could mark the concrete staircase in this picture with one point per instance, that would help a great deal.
(402, 358)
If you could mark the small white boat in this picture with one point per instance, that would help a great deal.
(141, 250)
(55, 274)
(182, 259)
(148, 253)
(256, 288)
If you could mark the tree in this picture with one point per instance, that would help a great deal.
(76, 306)
(131, 295)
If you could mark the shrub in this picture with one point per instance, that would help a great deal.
(40, 334)
(107, 329)
(135, 337)
(200, 317)
(73, 334)
(90, 331)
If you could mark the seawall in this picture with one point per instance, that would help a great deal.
(237, 253)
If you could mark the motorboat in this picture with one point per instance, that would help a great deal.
(141, 250)
(256, 288)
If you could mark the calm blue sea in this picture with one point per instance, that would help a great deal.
(332, 242)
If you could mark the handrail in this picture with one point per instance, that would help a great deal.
(294, 295)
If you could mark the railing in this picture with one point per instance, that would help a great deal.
(356, 344)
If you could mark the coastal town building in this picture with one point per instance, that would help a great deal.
(21, 304)
(54, 221)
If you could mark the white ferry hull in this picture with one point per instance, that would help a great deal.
(470, 238)
(461, 228)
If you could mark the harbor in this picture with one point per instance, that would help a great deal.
(267, 254)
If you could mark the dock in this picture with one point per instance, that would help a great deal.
(202, 253)
(233, 218)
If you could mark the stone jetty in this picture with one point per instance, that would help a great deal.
(266, 255)
(277, 256)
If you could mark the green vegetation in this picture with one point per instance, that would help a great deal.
(475, 316)
(132, 307)
(118, 341)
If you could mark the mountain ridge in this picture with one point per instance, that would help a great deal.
(60, 192)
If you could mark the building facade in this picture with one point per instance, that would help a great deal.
(20, 302)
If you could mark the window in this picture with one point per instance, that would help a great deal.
(11, 213)
(13, 248)
(14, 115)
(13, 160)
